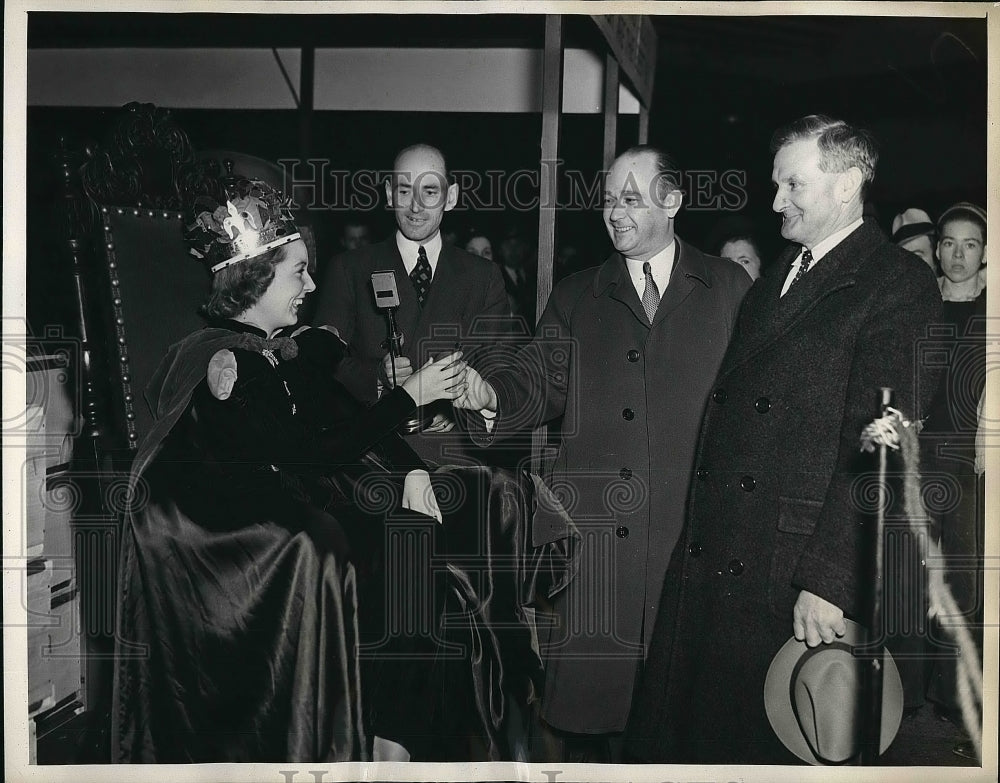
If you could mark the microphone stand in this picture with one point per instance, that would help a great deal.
(415, 423)
(395, 341)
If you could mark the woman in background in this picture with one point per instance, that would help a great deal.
(949, 436)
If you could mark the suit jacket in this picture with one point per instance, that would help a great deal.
(780, 487)
(631, 397)
(466, 305)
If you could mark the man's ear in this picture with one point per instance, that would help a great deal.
(849, 184)
(452, 199)
(388, 190)
(672, 202)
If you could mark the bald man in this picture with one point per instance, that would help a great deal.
(442, 290)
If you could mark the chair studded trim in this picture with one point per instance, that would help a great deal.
(143, 170)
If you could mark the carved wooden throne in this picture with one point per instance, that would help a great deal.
(138, 291)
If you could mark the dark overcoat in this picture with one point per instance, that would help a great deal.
(779, 488)
(630, 396)
(467, 304)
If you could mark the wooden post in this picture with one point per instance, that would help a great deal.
(307, 80)
(643, 124)
(610, 109)
(552, 78)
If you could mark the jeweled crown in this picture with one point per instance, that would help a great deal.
(248, 218)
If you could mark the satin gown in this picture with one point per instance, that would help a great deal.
(265, 511)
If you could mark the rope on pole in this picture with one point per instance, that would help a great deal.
(894, 431)
(875, 658)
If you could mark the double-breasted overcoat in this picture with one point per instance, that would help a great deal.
(781, 487)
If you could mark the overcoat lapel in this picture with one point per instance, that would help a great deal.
(615, 273)
(680, 285)
(772, 316)
(682, 282)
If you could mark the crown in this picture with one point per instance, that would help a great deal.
(248, 218)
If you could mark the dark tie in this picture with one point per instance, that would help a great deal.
(421, 276)
(804, 264)
(650, 294)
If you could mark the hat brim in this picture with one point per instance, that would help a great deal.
(911, 230)
(781, 712)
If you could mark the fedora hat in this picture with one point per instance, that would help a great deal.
(911, 223)
(812, 696)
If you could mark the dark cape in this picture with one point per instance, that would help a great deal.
(260, 521)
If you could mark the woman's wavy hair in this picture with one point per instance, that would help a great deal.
(239, 286)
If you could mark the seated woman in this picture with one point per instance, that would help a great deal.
(238, 628)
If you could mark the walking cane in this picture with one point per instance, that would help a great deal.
(875, 651)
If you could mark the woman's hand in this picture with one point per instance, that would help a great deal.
(418, 494)
(440, 379)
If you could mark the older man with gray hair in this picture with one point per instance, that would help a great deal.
(773, 544)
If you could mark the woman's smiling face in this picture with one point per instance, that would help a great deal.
(279, 305)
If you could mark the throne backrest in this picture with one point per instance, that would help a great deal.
(140, 291)
(154, 289)
(143, 290)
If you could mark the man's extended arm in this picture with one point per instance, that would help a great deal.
(530, 388)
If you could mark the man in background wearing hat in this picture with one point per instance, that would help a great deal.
(913, 230)
(773, 545)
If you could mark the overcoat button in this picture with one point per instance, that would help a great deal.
(735, 567)
(747, 483)
(720, 396)
(628, 414)
(633, 355)
(701, 473)
(694, 549)
(763, 405)
(621, 531)
(625, 473)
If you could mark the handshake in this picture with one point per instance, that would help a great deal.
(446, 378)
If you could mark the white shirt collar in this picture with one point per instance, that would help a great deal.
(828, 244)
(820, 250)
(408, 250)
(661, 265)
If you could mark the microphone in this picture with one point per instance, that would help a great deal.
(387, 298)
(386, 292)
